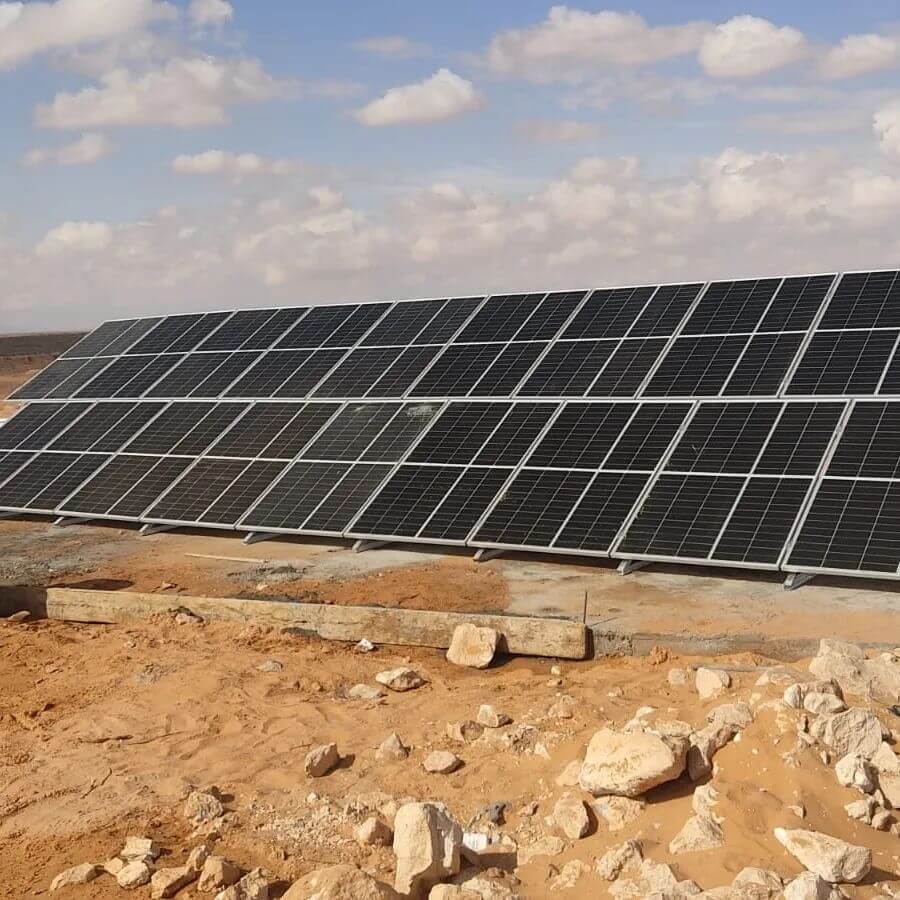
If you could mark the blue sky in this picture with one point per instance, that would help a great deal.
(191, 154)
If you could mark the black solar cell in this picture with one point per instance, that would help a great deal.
(568, 369)
(850, 362)
(609, 313)
(459, 433)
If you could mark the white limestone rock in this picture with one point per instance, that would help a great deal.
(427, 847)
(828, 857)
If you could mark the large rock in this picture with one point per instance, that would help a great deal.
(887, 764)
(711, 682)
(218, 873)
(847, 663)
(374, 833)
(854, 731)
(610, 866)
(321, 760)
(400, 679)
(490, 718)
(82, 874)
(758, 882)
(617, 813)
(809, 886)
(202, 806)
(473, 646)
(166, 883)
(134, 875)
(391, 749)
(629, 764)
(571, 818)
(653, 879)
(700, 832)
(441, 762)
(854, 772)
(427, 845)
(142, 848)
(342, 882)
(253, 886)
(830, 858)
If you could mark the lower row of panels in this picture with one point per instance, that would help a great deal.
(852, 524)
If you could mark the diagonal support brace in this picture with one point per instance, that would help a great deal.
(627, 566)
(486, 553)
(155, 529)
(362, 546)
(797, 579)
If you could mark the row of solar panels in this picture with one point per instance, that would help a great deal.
(809, 336)
(797, 485)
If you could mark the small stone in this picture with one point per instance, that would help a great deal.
(253, 886)
(570, 816)
(340, 882)
(677, 677)
(854, 731)
(441, 762)
(141, 848)
(427, 847)
(400, 679)
(473, 646)
(202, 806)
(823, 704)
(364, 646)
(490, 718)
(165, 883)
(113, 866)
(808, 886)
(391, 749)
(364, 692)
(270, 665)
(862, 810)
(828, 857)
(700, 832)
(546, 846)
(611, 864)
(453, 892)
(752, 877)
(464, 732)
(185, 616)
(133, 875)
(882, 820)
(618, 812)
(82, 874)
(374, 833)
(321, 760)
(711, 682)
(570, 774)
(218, 873)
(21, 616)
(569, 875)
(853, 771)
(705, 797)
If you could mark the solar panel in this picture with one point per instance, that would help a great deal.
(743, 422)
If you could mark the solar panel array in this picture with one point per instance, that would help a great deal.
(752, 423)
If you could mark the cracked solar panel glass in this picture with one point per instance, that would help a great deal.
(732, 306)
(337, 510)
(800, 439)
(398, 379)
(582, 435)
(109, 484)
(316, 326)
(403, 323)
(533, 507)
(864, 300)
(92, 344)
(262, 423)
(191, 372)
(870, 444)
(358, 371)
(357, 325)
(306, 376)
(225, 374)
(217, 419)
(302, 429)
(118, 372)
(75, 475)
(26, 422)
(351, 431)
(764, 364)
(166, 332)
(295, 496)
(459, 512)
(724, 437)
(405, 502)
(198, 332)
(79, 379)
(172, 424)
(137, 495)
(648, 436)
(609, 313)
(398, 435)
(456, 371)
(627, 368)
(849, 362)
(131, 336)
(853, 525)
(603, 509)
(269, 373)
(20, 490)
(198, 488)
(55, 425)
(570, 367)
(51, 377)
(515, 434)
(507, 370)
(242, 493)
(449, 320)
(696, 367)
(762, 520)
(10, 462)
(665, 312)
(238, 329)
(550, 316)
(499, 318)
(681, 516)
(147, 377)
(92, 426)
(796, 303)
(266, 336)
(459, 433)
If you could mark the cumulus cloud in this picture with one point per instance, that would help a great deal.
(560, 130)
(444, 95)
(27, 29)
(223, 162)
(887, 129)
(859, 54)
(76, 237)
(393, 46)
(570, 42)
(185, 93)
(87, 149)
(746, 46)
(210, 12)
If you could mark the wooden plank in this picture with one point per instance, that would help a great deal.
(420, 628)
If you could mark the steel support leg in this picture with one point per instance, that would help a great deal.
(797, 579)
(155, 529)
(64, 521)
(627, 566)
(255, 537)
(486, 553)
(362, 546)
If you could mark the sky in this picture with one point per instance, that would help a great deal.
(173, 155)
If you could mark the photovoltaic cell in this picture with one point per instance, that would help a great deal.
(399, 433)
(306, 376)
(870, 444)
(499, 318)
(26, 422)
(110, 484)
(458, 513)
(165, 333)
(358, 371)
(240, 328)
(400, 376)
(224, 374)
(172, 424)
(582, 435)
(92, 344)
(267, 334)
(609, 313)
(457, 370)
(316, 327)
(507, 370)
(191, 372)
(197, 489)
(20, 490)
(119, 372)
(217, 417)
(696, 366)
(515, 434)
(68, 481)
(665, 312)
(92, 426)
(648, 436)
(196, 334)
(336, 511)
(52, 377)
(459, 433)
(764, 364)
(732, 306)
(865, 300)
(351, 431)
(137, 496)
(799, 440)
(257, 428)
(77, 380)
(550, 316)
(301, 430)
(131, 336)
(9, 463)
(357, 325)
(796, 303)
(449, 320)
(147, 377)
(268, 373)
(569, 367)
(849, 362)
(55, 425)
(403, 323)
(627, 368)
(242, 493)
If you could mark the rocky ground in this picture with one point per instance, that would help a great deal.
(183, 758)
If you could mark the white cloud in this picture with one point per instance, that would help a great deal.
(210, 12)
(76, 237)
(27, 29)
(393, 46)
(570, 42)
(87, 149)
(746, 46)
(887, 129)
(829, 120)
(222, 162)
(442, 96)
(185, 93)
(858, 54)
(560, 130)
